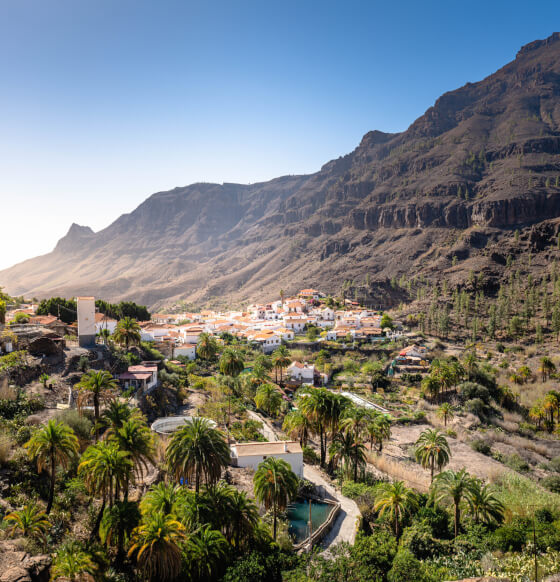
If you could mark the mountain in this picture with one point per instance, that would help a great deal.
(439, 200)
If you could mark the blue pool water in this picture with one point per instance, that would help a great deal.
(298, 516)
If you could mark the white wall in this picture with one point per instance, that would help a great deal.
(86, 321)
(295, 460)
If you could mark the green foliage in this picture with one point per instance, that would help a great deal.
(247, 431)
(81, 425)
(552, 483)
(420, 540)
(21, 406)
(481, 446)
(66, 309)
(310, 457)
(407, 567)
(509, 537)
(13, 361)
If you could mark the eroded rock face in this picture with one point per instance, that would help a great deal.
(17, 565)
(485, 156)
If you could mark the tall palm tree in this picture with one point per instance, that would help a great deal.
(314, 404)
(72, 562)
(268, 399)
(445, 411)
(208, 549)
(30, 522)
(207, 347)
(117, 524)
(198, 452)
(96, 387)
(135, 438)
(243, 517)
(281, 359)
(231, 362)
(157, 543)
(127, 332)
(275, 485)
(455, 487)
(53, 445)
(351, 452)
(105, 470)
(432, 450)
(396, 500)
(547, 367)
(265, 362)
(164, 497)
(431, 385)
(115, 415)
(484, 506)
(379, 430)
(104, 334)
(297, 426)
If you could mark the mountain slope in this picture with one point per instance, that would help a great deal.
(439, 200)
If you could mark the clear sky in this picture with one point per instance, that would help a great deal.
(103, 102)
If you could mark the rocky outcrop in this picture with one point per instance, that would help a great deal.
(17, 565)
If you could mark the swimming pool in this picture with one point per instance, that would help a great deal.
(298, 516)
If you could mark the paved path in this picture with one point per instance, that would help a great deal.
(345, 526)
(267, 430)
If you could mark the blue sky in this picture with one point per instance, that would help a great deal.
(103, 102)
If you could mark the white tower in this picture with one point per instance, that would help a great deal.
(86, 321)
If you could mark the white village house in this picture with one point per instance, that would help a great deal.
(304, 373)
(253, 454)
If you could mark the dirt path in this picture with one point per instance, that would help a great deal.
(346, 524)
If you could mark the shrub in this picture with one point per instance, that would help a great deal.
(471, 390)
(509, 538)
(481, 446)
(6, 446)
(476, 406)
(406, 568)
(419, 539)
(516, 463)
(437, 518)
(552, 483)
(81, 425)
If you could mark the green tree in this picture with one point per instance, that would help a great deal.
(208, 551)
(275, 485)
(432, 450)
(127, 332)
(406, 567)
(53, 445)
(117, 525)
(243, 518)
(231, 362)
(44, 378)
(297, 426)
(207, 347)
(30, 522)
(157, 544)
(198, 452)
(386, 321)
(281, 359)
(2, 311)
(547, 367)
(455, 487)
(269, 399)
(396, 500)
(351, 452)
(379, 430)
(445, 412)
(484, 505)
(96, 387)
(71, 562)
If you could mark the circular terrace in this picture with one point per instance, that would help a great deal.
(169, 424)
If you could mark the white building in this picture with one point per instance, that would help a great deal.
(103, 321)
(297, 324)
(253, 454)
(143, 376)
(302, 372)
(187, 350)
(86, 321)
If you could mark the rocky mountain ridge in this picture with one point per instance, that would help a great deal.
(479, 164)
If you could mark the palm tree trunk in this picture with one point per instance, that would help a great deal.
(274, 526)
(457, 519)
(96, 414)
(95, 531)
(322, 446)
(432, 470)
(51, 488)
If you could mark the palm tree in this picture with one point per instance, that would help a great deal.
(208, 548)
(104, 334)
(243, 517)
(432, 449)
(346, 448)
(297, 426)
(432, 386)
(115, 415)
(268, 399)
(117, 524)
(207, 346)
(314, 405)
(281, 359)
(127, 332)
(53, 445)
(275, 485)
(157, 543)
(265, 362)
(71, 562)
(231, 362)
(546, 368)
(164, 497)
(455, 487)
(282, 298)
(484, 506)
(105, 471)
(445, 411)
(379, 430)
(198, 451)
(135, 438)
(96, 387)
(30, 522)
(396, 500)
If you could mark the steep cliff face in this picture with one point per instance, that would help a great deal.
(483, 161)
